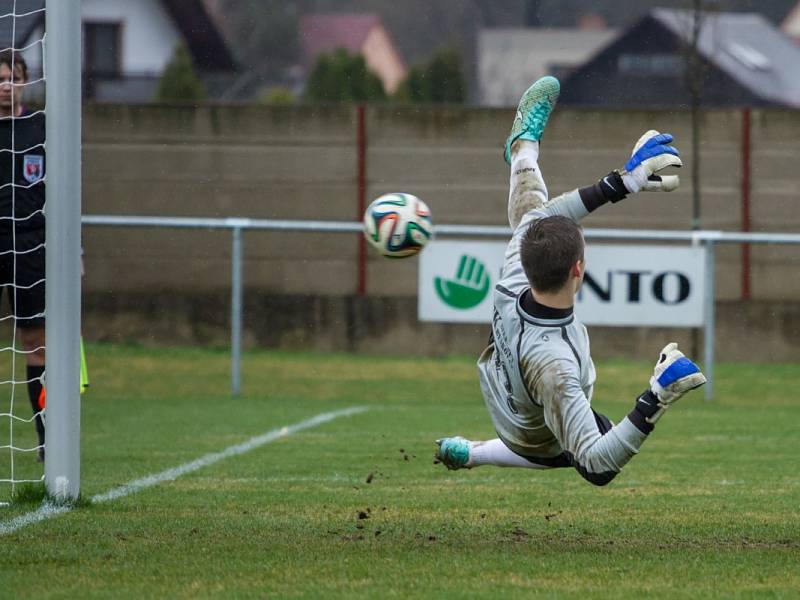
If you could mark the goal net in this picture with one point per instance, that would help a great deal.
(34, 249)
(21, 240)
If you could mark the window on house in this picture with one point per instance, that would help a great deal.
(101, 49)
(651, 65)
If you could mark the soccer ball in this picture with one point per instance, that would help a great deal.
(397, 225)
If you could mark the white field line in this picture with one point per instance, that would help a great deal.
(48, 510)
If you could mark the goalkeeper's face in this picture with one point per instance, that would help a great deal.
(11, 95)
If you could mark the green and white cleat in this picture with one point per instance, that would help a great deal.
(533, 112)
(453, 452)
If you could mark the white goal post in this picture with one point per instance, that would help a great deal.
(62, 68)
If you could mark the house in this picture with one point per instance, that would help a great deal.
(791, 24)
(745, 61)
(358, 34)
(126, 45)
(510, 59)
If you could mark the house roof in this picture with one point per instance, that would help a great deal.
(203, 38)
(744, 47)
(747, 47)
(20, 27)
(509, 59)
(320, 33)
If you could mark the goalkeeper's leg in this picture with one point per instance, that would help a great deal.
(527, 190)
(495, 452)
(460, 453)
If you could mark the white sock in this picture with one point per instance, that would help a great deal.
(527, 189)
(495, 452)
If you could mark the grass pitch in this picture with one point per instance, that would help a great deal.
(355, 507)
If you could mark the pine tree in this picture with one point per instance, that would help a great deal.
(444, 77)
(414, 88)
(342, 77)
(439, 80)
(179, 81)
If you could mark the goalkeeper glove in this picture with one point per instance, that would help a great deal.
(651, 154)
(673, 376)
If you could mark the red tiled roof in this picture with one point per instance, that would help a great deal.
(325, 33)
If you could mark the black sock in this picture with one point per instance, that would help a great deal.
(34, 391)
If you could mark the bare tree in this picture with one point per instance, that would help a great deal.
(695, 73)
(694, 81)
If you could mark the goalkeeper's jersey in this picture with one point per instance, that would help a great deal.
(537, 374)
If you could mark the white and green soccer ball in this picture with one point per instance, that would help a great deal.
(398, 225)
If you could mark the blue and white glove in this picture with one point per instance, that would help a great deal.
(673, 376)
(651, 154)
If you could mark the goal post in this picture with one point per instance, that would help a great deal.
(62, 69)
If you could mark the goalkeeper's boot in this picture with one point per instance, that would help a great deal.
(453, 452)
(533, 112)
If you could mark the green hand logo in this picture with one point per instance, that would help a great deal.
(469, 287)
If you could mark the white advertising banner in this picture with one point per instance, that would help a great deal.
(455, 279)
(625, 285)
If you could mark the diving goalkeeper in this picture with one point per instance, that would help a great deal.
(536, 375)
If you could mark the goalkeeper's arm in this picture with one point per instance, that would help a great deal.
(593, 445)
(651, 155)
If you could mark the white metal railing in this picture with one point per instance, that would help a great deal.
(709, 239)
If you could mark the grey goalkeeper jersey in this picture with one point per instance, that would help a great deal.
(537, 374)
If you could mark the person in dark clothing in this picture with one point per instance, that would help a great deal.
(22, 224)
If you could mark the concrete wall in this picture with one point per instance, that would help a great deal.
(301, 162)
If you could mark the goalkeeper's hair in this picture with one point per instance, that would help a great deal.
(14, 61)
(548, 250)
